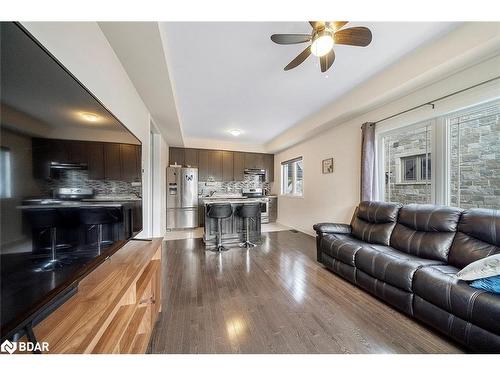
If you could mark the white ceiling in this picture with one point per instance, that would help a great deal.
(230, 75)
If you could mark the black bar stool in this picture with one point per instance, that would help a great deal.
(219, 211)
(248, 211)
(96, 217)
(41, 220)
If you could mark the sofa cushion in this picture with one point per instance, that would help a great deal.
(342, 247)
(373, 222)
(478, 236)
(438, 285)
(425, 230)
(390, 265)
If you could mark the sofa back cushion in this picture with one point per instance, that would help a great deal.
(373, 222)
(426, 230)
(478, 236)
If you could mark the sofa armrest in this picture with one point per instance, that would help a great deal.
(326, 228)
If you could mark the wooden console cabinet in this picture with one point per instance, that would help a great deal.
(115, 308)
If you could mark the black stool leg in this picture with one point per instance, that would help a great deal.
(247, 242)
(53, 263)
(99, 238)
(218, 237)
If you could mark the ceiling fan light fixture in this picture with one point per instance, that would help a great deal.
(322, 44)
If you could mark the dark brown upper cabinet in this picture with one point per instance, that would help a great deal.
(112, 161)
(130, 170)
(238, 166)
(227, 166)
(215, 165)
(203, 171)
(95, 160)
(254, 160)
(177, 156)
(269, 167)
(191, 157)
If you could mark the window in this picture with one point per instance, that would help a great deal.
(415, 168)
(465, 173)
(292, 177)
(5, 188)
(407, 164)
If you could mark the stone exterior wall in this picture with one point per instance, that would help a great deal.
(474, 161)
(414, 142)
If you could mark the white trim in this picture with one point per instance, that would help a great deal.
(284, 180)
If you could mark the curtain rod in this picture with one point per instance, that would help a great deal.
(431, 103)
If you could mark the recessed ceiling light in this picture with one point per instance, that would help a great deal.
(235, 132)
(91, 117)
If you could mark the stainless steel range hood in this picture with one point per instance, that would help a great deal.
(56, 165)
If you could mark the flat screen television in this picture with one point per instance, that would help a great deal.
(70, 182)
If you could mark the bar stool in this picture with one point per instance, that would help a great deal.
(96, 217)
(248, 211)
(219, 211)
(41, 220)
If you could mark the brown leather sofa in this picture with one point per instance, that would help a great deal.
(408, 256)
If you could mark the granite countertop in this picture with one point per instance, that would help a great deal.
(112, 198)
(71, 205)
(230, 200)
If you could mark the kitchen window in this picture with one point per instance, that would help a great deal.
(463, 174)
(292, 177)
(5, 168)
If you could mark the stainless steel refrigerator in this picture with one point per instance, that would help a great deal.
(182, 197)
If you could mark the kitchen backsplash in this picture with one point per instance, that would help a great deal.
(75, 178)
(205, 188)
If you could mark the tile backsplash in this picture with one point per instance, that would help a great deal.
(76, 178)
(205, 188)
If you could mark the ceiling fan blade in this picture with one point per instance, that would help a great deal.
(299, 59)
(337, 25)
(353, 36)
(327, 60)
(290, 38)
(317, 24)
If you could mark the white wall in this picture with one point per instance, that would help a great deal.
(333, 197)
(84, 50)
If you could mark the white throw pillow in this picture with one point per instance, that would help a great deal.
(486, 267)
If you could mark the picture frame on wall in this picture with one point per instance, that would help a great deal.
(328, 166)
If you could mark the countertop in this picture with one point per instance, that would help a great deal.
(230, 200)
(111, 198)
(73, 205)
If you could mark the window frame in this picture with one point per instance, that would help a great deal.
(440, 150)
(284, 179)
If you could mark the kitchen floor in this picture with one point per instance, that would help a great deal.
(198, 232)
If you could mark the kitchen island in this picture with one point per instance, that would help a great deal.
(233, 228)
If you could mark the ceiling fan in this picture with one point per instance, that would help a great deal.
(323, 37)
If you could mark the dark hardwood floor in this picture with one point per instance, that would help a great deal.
(275, 298)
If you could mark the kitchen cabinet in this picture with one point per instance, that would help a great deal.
(191, 157)
(238, 166)
(95, 160)
(44, 151)
(269, 167)
(203, 171)
(218, 165)
(130, 170)
(273, 209)
(227, 166)
(215, 165)
(77, 151)
(112, 161)
(176, 156)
